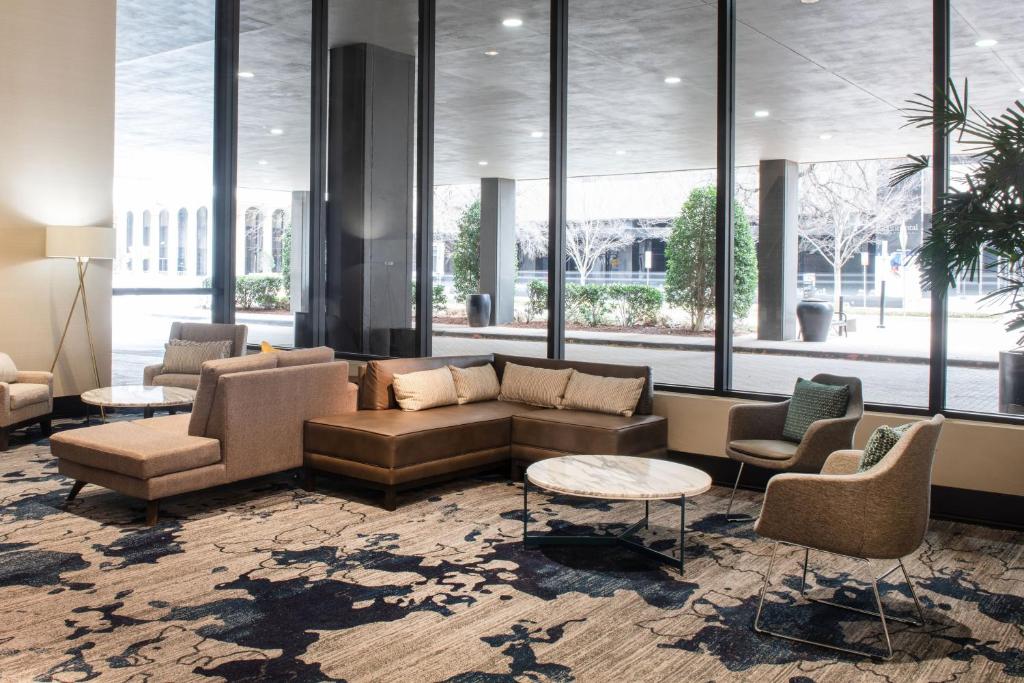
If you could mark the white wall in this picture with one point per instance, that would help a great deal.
(56, 168)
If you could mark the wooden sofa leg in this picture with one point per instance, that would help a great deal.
(515, 471)
(46, 426)
(75, 489)
(152, 512)
(308, 480)
(390, 499)
(4, 438)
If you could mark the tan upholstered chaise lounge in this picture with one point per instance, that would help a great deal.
(246, 421)
(385, 448)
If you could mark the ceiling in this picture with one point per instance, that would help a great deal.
(835, 68)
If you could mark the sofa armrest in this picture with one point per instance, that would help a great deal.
(757, 421)
(150, 372)
(5, 404)
(843, 462)
(36, 377)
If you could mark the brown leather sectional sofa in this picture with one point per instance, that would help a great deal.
(389, 449)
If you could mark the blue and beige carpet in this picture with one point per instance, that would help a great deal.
(263, 581)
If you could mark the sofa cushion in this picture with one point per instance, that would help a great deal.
(765, 448)
(28, 394)
(425, 389)
(176, 380)
(612, 395)
(376, 391)
(183, 357)
(8, 370)
(395, 438)
(135, 450)
(476, 384)
(537, 386)
(577, 431)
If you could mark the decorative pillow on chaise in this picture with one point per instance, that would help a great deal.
(478, 383)
(425, 389)
(813, 401)
(183, 357)
(612, 395)
(536, 386)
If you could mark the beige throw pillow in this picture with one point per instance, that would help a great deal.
(612, 395)
(479, 383)
(425, 389)
(8, 370)
(536, 386)
(183, 357)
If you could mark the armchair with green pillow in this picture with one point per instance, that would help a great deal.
(796, 435)
(190, 345)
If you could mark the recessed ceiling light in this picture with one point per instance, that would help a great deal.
(762, 113)
(536, 134)
(621, 152)
(512, 22)
(246, 74)
(673, 80)
(825, 136)
(808, 2)
(491, 53)
(262, 162)
(482, 163)
(277, 131)
(986, 42)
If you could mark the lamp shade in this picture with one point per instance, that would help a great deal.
(70, 241)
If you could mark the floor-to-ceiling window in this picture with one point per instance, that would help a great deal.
(490, 178)
(163, 163)
(640, 219)
(823, 282)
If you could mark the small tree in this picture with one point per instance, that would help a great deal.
(466, 253)
(690, 252)
(587, 240)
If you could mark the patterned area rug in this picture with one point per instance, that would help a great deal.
(263, 581)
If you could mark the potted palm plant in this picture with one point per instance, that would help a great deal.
(984, 215)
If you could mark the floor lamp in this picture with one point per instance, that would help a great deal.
(80, 244)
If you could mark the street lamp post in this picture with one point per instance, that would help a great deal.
(648, 258)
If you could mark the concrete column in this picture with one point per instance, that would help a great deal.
(777, 250)
(498, 246)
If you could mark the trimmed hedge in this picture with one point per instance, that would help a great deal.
(632, 304)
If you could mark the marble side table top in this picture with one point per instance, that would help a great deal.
(618, 477)
(138, 396)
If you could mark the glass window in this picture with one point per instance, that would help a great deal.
(129, 238)
(277, 239)
(202, 241)
(253, 240)
(640, 230)
(823, 279)
(490, 178)
(162, 241)
(182, 243)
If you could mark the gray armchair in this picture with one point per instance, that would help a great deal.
(154, 375)
(755, 435)
(25, 401)
(879, 514)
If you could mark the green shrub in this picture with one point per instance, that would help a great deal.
(466, 253)
(257, 291)
(635, 304)
(587, 303)
(439, 300)
(538, 301)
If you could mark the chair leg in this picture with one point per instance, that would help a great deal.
(390, 499)
(152, 512)
(4, 438)
(515, 471)
(803, 579)
(46, 426)
(729, 517)
(75, 489)
(308, 480)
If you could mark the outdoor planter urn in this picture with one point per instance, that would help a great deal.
(815, 317)
(478, 310)
(1011, 382)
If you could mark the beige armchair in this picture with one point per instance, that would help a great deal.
(154, 375)
(879, 514)
(755, 436)
(25, 401)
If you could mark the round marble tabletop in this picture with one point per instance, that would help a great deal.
(618, 477)
(138, 396)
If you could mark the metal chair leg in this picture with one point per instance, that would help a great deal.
(729, 517)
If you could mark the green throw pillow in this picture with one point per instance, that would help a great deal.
(879, 443)
(812, 402)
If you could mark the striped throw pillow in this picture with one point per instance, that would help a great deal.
(183, 357)
(425, 389)
(612, 395)
(536, 386)
(479, 383)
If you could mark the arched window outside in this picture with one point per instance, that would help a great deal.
(146, 236)
(201, 218)
(253, 239)
(162, 241)
(182, 238)
(277, 221)
(129, 238)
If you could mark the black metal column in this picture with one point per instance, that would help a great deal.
(315, 323)
(557, 176)
(225, 159)
(724, 195)
(425, 178)
(940, 184)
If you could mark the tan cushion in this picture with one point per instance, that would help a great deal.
(319, 354)
(577, 431)
(172, 380)
(765, 448)
(8, 370)
(28, 394)
(171, 424)
(183, 357)
(612, 395)
(535, 386)
(135, 450)
(376, 391)
(425, 389)
(394, 438)
(475, 384)
(211, 373)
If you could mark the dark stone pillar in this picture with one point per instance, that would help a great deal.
(369, 212)
(498, 246)
(777, 250)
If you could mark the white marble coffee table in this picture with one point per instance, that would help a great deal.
(615, 477)
(138, 396)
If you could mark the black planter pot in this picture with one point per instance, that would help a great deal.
(1011, 382)
(478, 310)
(815, 317)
